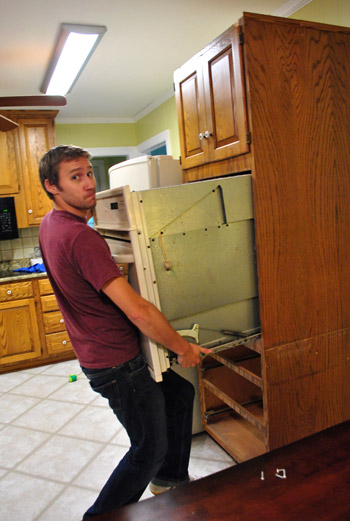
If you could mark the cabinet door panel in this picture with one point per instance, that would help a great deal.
(18, 331)
(191, 117)
(225, 100)
(36, 137)
(8, 164)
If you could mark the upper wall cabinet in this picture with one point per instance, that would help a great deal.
(8, 164)
(211, 103)
(36, 136)
(21, 150)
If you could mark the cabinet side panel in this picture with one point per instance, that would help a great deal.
(308, 387)
(299, 84)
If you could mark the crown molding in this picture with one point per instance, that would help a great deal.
(290, 7)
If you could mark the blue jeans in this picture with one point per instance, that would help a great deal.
(158, 420)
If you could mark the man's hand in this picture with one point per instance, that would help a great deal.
(192, 355)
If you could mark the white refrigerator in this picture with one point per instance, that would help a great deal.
(190, 250)
(145, 172)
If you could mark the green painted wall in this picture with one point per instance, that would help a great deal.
(96, 134)
(124, 134)
(335, 12)
(162, 118)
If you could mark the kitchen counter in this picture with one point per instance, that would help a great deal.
(10, 276)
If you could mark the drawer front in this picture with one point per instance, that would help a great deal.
(57, 343)
(53, 322)
(49, 303)
(16, 290)
(45, 287)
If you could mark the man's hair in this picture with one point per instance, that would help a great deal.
(48, 164)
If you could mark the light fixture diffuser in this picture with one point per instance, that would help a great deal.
(75, 44)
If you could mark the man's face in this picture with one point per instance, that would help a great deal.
(76, 187)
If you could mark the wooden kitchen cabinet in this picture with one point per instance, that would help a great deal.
(21, 150)
(19, 332)
(31, 326)
(56, 336)
(8, 164)
(211, 104)
(295, 380)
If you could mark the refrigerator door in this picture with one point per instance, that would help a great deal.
(199, 238)
(146, 172)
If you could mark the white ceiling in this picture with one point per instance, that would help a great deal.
(132, 67)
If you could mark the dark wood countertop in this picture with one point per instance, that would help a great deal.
(316, 487)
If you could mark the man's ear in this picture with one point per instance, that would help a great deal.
(50, 187)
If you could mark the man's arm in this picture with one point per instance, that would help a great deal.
(151, 322)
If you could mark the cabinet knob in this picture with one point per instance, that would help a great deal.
(30, 211)
(61, 320)
(206, 135)
(9, 292)
(64, 342)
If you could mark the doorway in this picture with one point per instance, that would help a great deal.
(101, 165)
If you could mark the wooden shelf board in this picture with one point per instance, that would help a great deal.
(253, 413)
(237, 436)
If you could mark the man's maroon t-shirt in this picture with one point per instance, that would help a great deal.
(78, 263)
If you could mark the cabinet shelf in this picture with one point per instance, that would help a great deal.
(237, 436)
(252, 411)
(243, 361)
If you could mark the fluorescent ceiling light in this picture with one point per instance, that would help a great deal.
(74, 46)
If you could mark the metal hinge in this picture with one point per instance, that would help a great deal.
(249, 138)
(241, 38)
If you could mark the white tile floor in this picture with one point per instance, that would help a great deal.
(59, 442)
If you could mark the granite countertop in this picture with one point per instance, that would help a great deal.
(10, 276)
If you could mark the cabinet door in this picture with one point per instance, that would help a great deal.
(191, 114)
(211, 107)
(18, 331)
(226, 130)
(36, 136)
(8, 164)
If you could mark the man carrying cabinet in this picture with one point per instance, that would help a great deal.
(103, 316)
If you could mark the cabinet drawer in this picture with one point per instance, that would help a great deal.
(45, 287)
(58, 342)
(49, 303)
(16, 290)
(53, 322)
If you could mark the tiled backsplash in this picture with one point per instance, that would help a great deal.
(23, 247)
